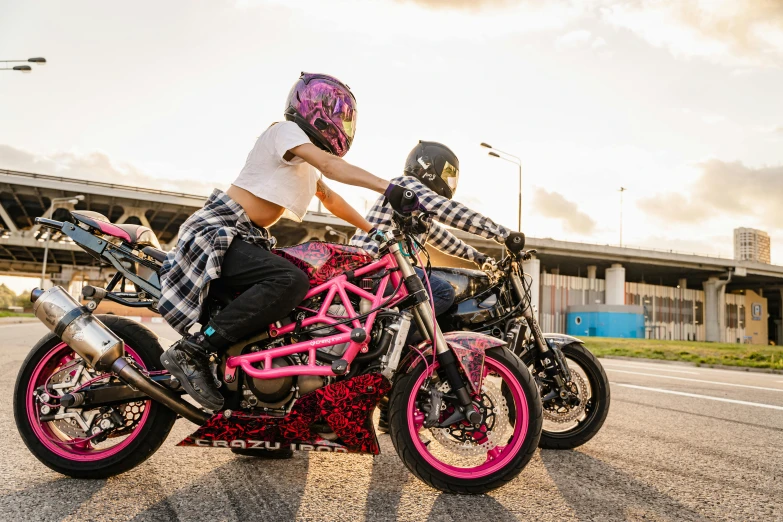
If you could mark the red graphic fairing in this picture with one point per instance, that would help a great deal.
(346, 406)
(322, 261)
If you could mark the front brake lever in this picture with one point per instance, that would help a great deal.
(527, 254)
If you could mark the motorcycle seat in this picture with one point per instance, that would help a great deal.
(134, 234)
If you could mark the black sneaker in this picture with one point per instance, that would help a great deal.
(188, 361)
(262, 453)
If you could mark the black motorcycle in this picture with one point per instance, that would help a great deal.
(573, 386)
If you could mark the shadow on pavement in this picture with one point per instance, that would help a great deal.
(251, 489)
(594, 490)
(40, 502)
(463, 507)
(389, 476)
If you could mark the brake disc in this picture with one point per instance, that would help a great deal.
(64, 381)
(70, 378)
(459, 439)
(562, 413)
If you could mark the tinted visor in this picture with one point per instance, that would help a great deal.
(343, 113)
(450, 174)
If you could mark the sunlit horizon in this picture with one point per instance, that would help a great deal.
(591, 95)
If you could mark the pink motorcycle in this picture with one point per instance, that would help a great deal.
(92, 399)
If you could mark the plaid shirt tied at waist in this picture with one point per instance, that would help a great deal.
(203, 240)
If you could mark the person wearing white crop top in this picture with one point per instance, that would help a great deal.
(224, 247)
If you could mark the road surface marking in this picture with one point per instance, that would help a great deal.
(661, 367)
(698, 380)
(696, 396)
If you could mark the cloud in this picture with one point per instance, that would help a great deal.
(730, 32)
(462, 4)
(578, 38)
(723, 188)
(93, 166)
(737, 33)
(554, 205)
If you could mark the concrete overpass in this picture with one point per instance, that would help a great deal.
(24, 196)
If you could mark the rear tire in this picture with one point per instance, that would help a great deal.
(145, 438)
(467, 480)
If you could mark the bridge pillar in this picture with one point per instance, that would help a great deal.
(615, 285)
(683, 284)
(592, 271)
(779, 322)
(532, 268)
(715, 310)
(138, 213)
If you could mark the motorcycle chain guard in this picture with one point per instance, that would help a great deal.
(468, 348)
(346, 406)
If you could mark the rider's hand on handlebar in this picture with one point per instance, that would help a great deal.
(489, 264)
(402, 200)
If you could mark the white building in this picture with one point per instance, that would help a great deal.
(751, 245)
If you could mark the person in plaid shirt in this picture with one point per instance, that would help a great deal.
(432, 172)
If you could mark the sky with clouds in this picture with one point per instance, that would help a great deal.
(679, 102)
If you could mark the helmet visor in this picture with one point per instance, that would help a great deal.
(450, 174)
(344, 114)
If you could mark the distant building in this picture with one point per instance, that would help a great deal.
(751, 245)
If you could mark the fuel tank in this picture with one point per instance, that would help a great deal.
(466, 282)
(474, 304)
(322, 261)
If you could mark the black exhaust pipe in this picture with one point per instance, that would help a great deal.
(125, 371)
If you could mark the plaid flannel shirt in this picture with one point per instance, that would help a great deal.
(203, 240)
(448, 212)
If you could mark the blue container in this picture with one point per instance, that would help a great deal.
(599, 320)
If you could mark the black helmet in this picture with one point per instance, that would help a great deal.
(435, 165)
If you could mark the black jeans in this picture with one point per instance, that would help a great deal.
(270, 288)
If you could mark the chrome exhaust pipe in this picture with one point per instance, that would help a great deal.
(101, 348)
(74, 324)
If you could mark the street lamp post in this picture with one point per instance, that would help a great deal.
(495, 153)
(72, 200)
(22, 68)
(622, 189)
(341, 235)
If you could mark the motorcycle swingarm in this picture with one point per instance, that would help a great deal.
(108, 394)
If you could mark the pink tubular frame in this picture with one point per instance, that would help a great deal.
(338, 286)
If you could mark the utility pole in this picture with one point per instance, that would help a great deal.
(622, 189)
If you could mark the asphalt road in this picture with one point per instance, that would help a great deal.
(680, 443)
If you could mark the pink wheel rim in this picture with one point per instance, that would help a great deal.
(498, 457)
(56, 356)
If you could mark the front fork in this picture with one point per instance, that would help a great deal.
(424, 316)
(550, 357)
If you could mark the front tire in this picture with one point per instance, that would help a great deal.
(460, 462)
(147, 423)
(559, 435)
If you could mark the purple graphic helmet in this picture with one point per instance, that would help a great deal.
(325, 110)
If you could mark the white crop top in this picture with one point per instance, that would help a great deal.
(290, 184)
